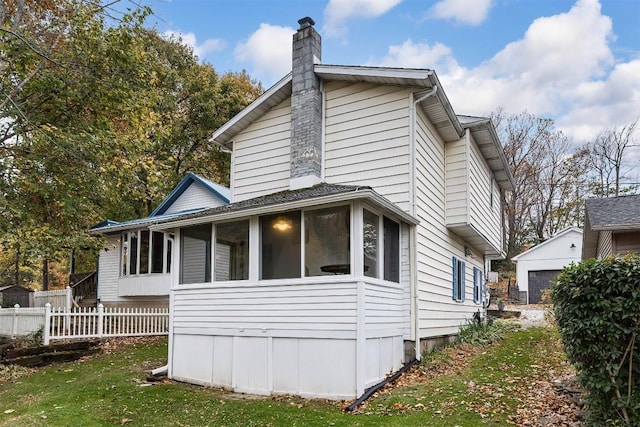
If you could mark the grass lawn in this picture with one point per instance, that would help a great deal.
(469, 388)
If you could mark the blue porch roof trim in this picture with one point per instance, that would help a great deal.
(111, 226)
(219, 191)
(105, 223)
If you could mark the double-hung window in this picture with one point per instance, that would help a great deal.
(458, 276)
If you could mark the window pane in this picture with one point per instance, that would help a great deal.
(232, 251)
(391, 250)
(370, 246)
(144, 251)
(326, 241)
(157, 252)
(280, 246)
(195, 259)
(133, 253)
(123, 251)
(169, 245)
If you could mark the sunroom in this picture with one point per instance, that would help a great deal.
(304, 292)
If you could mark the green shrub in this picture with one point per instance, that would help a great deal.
(597, 308)
(481, 334)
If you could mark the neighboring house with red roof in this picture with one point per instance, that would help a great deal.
(612, 226)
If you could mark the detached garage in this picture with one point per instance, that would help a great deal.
(538, 267)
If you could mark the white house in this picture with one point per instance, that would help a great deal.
(363, 213)
(134, 267)
(537, 267)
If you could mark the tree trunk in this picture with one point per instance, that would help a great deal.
(45, 274)
(17, 265)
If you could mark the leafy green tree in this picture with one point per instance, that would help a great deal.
(99, 119)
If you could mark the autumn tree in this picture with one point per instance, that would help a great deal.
(100, 118)
(607, 159)
(548, 174)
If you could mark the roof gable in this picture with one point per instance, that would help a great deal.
(438, 108)
(217, 190)
(542, 246)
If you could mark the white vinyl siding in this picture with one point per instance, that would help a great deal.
(261, 155)
(484, 217)
(109, 270)
(149, 290)
(472, 195)
(438, 313)
(405, 279)
(196, 196)
(457, 173)
(367, 138)
(302, 336)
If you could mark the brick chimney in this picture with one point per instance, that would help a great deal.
(306, 108)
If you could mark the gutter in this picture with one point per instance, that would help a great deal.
(374, 388)
(413, 253)
(160, 371)
(361, 193)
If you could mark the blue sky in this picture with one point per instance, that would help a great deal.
(576, 61)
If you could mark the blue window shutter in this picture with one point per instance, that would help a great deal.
(455, 279)
(462, 277)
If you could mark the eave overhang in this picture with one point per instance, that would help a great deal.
(477, 240)
(438, 108)
(231, 212)
(488, 142)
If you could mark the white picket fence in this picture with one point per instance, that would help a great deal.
(100, 322)
(57, 298)
(19, 321)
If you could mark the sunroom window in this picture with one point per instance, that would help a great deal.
(370, 234)
(389, 257)
(195, 259)
(143, 252)
(326, 241)
(280, 246)
(232, 251)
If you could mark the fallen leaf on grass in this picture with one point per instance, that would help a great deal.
(8, 411)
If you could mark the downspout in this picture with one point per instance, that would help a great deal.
(414, 235)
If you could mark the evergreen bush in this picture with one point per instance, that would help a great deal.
(597, 308)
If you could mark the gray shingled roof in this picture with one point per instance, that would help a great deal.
(281, 197)
(614, 212)
(271, 200)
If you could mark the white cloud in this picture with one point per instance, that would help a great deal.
(268, 51)
(603, 104)
(200, 50)
(420, 55)
(462, 11)
(561, 68)
(338, 12)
